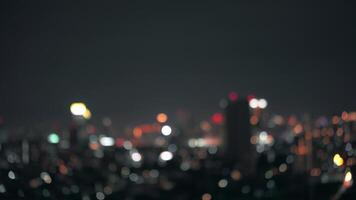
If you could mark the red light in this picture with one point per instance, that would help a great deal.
(217, 118)
(120, 142)
(250, 97)
(233, 96)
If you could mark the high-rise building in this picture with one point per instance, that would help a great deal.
(238, 149)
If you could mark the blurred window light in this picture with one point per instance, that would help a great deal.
(283, 167)
(166, 156)
(100, 196)
(11, 175)
(107, 141)
(46, 177)
(222, 183)
(191, 143)
(2, 188)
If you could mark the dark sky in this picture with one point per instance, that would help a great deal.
(132, 59)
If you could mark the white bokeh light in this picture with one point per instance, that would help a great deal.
(262, 103)
(166, 130)
(263, 136)
(107, 141)
(253, 103)
(136, 157)
(166, 156)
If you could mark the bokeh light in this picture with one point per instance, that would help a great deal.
(53, 138)
(136, 157)
(338, 160)
(217, 118)
(166, 130)
(78, 108)
(253, 103)
(161, 117)
(262, 103)
(87, 114)
(166, 156)
(233, 96)
(107, 141)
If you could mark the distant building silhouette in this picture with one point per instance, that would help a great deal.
(238, 149)
(73, 135)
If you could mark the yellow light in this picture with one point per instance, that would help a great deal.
(87, 114)
(78, 109)
(161, 118)
(338, 160)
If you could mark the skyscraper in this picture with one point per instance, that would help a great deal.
(238, 149)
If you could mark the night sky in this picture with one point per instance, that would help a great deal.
(131, 59)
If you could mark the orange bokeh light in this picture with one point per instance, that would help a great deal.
(161, 118)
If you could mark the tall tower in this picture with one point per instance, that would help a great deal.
(238, 149)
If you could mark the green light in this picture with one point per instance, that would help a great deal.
(53, 138)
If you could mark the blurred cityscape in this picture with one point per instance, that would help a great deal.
(244, 151)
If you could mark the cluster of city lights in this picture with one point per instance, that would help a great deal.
(132, 155)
